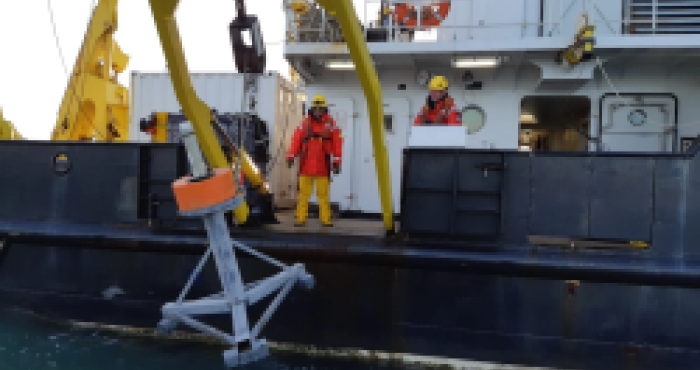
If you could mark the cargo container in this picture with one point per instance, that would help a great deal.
(278, 104)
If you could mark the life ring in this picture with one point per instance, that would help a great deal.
(407, 15)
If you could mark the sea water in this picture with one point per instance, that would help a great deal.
(28, 342)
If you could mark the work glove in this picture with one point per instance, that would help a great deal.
(336, 168)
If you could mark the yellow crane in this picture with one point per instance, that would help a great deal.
(95, 106)
(8, 130)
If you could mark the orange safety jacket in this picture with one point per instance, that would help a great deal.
(444, 112)
(314, 142)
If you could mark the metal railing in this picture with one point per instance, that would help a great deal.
(478, 20)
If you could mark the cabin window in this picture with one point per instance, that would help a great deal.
(389, 123)
(474, 118)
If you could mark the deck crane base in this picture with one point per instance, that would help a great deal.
(236, 295)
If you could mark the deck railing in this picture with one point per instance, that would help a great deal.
(496, 19)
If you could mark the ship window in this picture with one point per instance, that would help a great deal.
(555, 123)
(662, 17)
(637, 117)
(474, 118)
(389, 123)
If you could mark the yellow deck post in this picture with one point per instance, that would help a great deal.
(344, 11)
(196, 111)
(8, 130)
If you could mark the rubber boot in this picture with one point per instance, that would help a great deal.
(324, 205)
(306, 186)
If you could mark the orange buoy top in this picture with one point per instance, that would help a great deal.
(192, 196)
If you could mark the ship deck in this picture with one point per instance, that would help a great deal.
(341, 226)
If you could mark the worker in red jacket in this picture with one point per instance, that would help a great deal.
(315, 141)
(439, 108)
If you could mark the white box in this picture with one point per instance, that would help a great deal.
(438, 137)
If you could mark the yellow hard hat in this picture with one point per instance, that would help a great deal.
(300, 6)
(438, 83)
(319, 102)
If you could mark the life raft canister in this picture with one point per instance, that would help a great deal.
(432, 14)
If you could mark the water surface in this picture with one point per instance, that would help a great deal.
(30, 343)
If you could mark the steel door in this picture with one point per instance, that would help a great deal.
(638, 123)
(397, 123)
(343, 111)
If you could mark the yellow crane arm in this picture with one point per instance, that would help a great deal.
(8, 130)
(344, 11)
(200, 114)
(196, 111)
(94, 103)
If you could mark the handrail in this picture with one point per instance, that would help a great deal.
(527, 28)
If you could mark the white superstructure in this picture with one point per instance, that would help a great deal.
(638, 93)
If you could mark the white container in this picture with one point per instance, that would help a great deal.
(278, 105)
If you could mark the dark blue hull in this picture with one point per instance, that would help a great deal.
(504, 301)
(375, 296)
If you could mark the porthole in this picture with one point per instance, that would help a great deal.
(637, 117)
(474, 118)
(61, 164)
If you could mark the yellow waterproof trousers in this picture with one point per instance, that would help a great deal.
(306, 186)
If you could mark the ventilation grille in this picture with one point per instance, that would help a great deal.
(664, 16)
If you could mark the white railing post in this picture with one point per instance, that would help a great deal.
(392, 32)
(322, 30)
(419, 12)
(654, 6)
(366, 23)
(470, 34)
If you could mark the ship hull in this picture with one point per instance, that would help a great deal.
(371, 296)
(99, 241)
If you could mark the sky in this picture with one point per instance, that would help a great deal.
(33, 79)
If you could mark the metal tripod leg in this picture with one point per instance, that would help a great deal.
(236, 295)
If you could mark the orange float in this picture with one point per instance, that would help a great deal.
(407, 15)
(199, 194)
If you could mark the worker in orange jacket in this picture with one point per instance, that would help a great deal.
(439, 108)
(315, 141)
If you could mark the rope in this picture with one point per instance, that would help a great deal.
(617, 93)
(602, 69)
(55, 36)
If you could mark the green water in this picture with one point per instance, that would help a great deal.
(29, 343)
